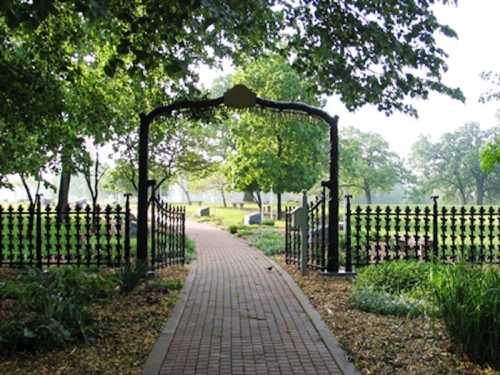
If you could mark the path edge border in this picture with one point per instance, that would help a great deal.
(160, 348)
(329, 339)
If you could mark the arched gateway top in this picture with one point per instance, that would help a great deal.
(239, 97)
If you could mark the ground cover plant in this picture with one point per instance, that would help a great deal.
(384, 344)
(268, 240)
(465, 297)
(468, 300)
(124, 325)
(398, 288)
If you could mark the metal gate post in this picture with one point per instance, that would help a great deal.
(38, 231)
(304, 232)
(332, 263)
(347, 231)
(435, 227)
(142, 207)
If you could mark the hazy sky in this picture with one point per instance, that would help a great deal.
(477, 49)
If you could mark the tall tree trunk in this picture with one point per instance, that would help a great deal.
(463, 196)
(368, 195)
(258, 199)
(248, 196)
(480, 191)
(278, 202)
(186, 193)
(223, 195)
(27, 189)
(63, 196)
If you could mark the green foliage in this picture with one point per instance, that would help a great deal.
(268, 240)
(268, 222)
(130, 275)
(51, 308)
(269, 152)
(490, 156)
(166, 285)
(399, 288)
(380, 302)
(367, 164)
(396, 277)
(73, 70)
(468, 300)
(466, 297)
(190, 250)
(233, 229)
(452, 165)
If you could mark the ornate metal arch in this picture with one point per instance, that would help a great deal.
(239, 97)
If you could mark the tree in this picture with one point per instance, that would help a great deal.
(367, 164)
(93, 172)
(272, 152)
(177, 146)
(213, 180)
(452, 164)
(490, 156)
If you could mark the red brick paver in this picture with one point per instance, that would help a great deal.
(241, 317)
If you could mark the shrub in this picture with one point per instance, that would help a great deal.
(245, 231)
(51, 308)
(380, 302)
(399, 277)
(269, 241)
(130, 275)
(190, 250)
(398, 288)
(268, 222)
(468, 300)
(233, 229)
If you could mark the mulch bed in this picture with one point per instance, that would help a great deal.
(128, 328)
(382, 344)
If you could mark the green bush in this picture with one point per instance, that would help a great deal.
(51, 308)
(380, 302)
(468, 300)
(398, 288)
(268, 222)
(130, 275)
(233, 229)
(190, 250)
(269, 241)
(398, 277)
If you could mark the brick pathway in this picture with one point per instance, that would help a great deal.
(240, 317)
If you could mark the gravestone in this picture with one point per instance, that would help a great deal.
(204, 211)
(253, 218)
(133, 227)
(81, 202)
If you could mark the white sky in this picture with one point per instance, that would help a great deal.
(477, 49)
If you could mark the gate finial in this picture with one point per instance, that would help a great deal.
(240, 96)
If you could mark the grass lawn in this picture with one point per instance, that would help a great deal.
(227, 216)
(126, 327)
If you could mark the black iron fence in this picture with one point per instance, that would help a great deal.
(45, 236)
(375, 234)
(447, 234)
(84, 236)
(293, 238)
(168, 238)
(316, 234)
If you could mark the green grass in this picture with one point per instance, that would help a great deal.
(227, 216)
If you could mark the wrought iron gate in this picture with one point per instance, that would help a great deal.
(168, 234)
